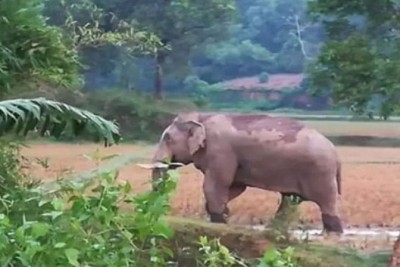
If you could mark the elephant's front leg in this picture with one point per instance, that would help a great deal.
(216, 189)
(235, 190)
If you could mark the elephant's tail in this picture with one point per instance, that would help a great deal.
(339, 176)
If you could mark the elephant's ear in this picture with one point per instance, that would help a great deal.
(197, 136)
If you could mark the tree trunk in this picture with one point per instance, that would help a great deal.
(395, 260)
(159, 76)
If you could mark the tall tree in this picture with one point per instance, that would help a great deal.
(31, 50)
(359, 62)
(101, 35)
(181, 25)
(284, 28)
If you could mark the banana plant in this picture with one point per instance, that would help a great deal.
(51, 118)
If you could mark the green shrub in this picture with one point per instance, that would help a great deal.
(73, 228)
(213, 254)
(263, 77)
(278, 258)
(138, 116)
(82, 224)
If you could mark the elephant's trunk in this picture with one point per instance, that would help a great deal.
(157, 173)
(160, 163)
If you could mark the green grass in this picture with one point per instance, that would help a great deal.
(330, 256)
(246, 243)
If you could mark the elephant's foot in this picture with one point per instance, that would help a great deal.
(217, 218)
(226, 210)
(332, 223)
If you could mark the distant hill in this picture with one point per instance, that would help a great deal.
(271, 94)
(275, 82)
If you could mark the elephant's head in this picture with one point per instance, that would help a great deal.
(184, 137)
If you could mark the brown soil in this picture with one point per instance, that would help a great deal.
(370, 191)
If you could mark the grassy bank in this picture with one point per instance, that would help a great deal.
(251, 244)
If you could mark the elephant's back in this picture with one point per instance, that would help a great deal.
(307, 144)
(260, 132)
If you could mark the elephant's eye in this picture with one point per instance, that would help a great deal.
(167, 137)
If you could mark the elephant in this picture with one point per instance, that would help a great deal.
(237, 150)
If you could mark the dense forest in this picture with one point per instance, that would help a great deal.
(213, 43)
(342, 52)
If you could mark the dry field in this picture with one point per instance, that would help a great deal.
(371, 192)
(360, 128)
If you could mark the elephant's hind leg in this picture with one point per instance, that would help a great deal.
(332, 223)
(330, 216)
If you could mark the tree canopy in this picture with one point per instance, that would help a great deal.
(180, 25)
(346, 48)
(359, 61)
(32, 50)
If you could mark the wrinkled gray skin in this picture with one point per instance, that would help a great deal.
(235, 151)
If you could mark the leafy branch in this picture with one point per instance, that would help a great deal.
(91, 32)
(51, 118)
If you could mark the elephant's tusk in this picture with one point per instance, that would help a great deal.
(176, 164)
(159, 165)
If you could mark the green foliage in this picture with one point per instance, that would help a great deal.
(90, 26)
(272, 36)
(278, 258)
(75, 229)
(31, 50)
(198, 38)
(82, 224)
(214, 254)
(263, 77)
(360, 59)
(138, 116)
(181, 24)
(108, 42)
(230, 59)
(11, 167)
(51, 118)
